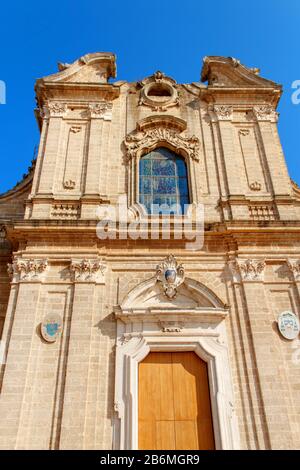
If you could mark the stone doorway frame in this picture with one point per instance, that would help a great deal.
(201, 330)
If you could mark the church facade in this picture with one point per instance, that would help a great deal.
(147, 259)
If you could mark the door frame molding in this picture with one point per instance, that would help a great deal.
(209, 349)
(142, 328)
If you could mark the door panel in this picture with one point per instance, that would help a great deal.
(174, 402)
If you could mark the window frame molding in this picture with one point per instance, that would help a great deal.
(152, 133)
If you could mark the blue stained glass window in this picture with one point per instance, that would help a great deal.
(163, 181)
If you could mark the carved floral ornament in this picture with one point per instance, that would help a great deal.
(171, 275)
(53, 109)
(27, 269)
(101, 110)
(149, 138)
(247, 270)
(223, 112)
(294, 265)
(265, 113)
(88, 270)
(96, 110)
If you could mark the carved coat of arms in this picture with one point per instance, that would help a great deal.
(171, 275)
(51, 327)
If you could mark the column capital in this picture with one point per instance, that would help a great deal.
(27, 269)
(101, 110)
(247, 270)
(88, 270)
(294, 265)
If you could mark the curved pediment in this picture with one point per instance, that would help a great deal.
(229, 72)
(90, 68)
(190, 295)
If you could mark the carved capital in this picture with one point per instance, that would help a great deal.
(251, 269)
(223, 112)
(27, 269)
(101, 110)
(54, 109)
(265, 113)
(149, 138)
(88, 270)
(234, 271)
(294, 265)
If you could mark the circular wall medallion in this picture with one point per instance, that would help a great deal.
(51, 327)
(288, 325)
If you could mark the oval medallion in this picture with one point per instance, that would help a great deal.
(170, 275)
(51, 327)
(288, 325)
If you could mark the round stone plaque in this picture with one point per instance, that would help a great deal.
(288, 325)
(51, 327)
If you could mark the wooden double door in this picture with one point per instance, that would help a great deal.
(174, 402)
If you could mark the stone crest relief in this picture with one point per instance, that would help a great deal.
(170, 275)
(51, 327)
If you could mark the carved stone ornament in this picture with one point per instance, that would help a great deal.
(88, 270)
(171, 275)
(255, 186)
(51, 327)
(235, 271)
(75, 129)
(27, 269)
(65, 211)
(171, 326)
(159, 92)
(2, 232)
(288, 325)
(55, 109)
(148, 138)
(69, 184)
(265, 113)
(223, 112)
(101, 110)
(251, 269)
(244, 132)
(294, 265)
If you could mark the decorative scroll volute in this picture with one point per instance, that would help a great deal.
(148, 139)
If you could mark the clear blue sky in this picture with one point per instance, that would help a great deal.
(172, 36)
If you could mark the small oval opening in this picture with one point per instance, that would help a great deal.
(160, 90)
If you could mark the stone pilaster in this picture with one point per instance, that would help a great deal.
(19, 338)
(54, 112)
(266, 118)
(84, 274)
(224, 115)
(266, 358)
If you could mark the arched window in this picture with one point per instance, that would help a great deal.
(163, 186)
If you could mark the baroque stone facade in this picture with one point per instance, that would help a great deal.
(118, 297)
